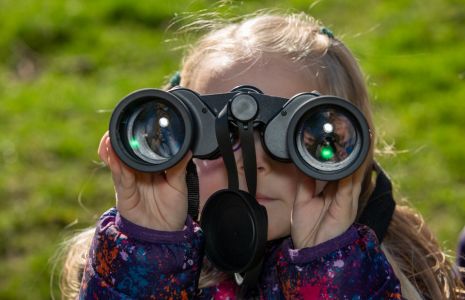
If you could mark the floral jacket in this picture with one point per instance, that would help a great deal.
(127, 261)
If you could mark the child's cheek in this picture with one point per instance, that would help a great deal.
(208, 167)
(212, 177)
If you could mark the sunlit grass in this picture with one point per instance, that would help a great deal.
(65, 64)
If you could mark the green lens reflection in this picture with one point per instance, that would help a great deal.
(134, 143)
(327, 153)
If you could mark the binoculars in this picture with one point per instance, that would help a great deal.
(325, 136)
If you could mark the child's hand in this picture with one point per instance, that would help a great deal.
(319, 218)
(152, 200)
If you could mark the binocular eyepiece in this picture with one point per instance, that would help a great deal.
(326, 137)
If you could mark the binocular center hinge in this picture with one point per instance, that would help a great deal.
(243, 107)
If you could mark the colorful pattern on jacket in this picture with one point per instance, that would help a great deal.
(127, 261)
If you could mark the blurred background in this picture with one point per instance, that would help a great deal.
(65, 64)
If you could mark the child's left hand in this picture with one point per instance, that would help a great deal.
(319, 218)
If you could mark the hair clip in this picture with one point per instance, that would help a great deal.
(175, 79)
(326, 31)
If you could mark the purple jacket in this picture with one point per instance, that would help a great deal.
(127, 261)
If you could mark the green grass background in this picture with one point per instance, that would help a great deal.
(65, 64)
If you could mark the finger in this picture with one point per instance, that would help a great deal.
(345, 197)
(337, 198)
(112, 158)
(180, 167)
(122, 174)
(357, 181)
(305, 191)
(361, 172)
(330, 189)
(344, 189)
(176, 175)
(359, 175)
(102, 149)
(178, 202)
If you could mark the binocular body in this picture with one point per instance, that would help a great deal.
(326, 137)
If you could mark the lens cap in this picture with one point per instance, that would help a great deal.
(235, 228)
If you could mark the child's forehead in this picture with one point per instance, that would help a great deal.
(274, 75)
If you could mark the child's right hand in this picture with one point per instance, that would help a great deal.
(152, 200)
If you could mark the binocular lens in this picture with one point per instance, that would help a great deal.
(326, 138)
(155, 132)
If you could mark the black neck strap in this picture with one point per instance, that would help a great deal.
(249, 156)
(192, 181)
(378, 212)
(224, 144)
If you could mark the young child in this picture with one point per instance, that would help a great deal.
(148, 246)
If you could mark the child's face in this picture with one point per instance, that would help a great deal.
(276, 181)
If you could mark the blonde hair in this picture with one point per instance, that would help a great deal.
(418, 261)
(72, 257)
